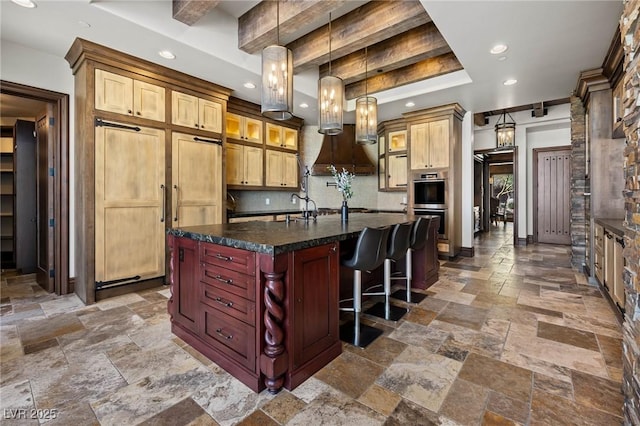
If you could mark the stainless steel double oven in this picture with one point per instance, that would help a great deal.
(429, 197)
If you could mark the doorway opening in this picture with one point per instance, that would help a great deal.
(49, 113)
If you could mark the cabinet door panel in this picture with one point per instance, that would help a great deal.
(148, 100)
(397, 171)
(274, 168)
(184, 110)
(274, 135)
(130, 171)
(235, 164)
(290, 170)
(253, 169)
(289, 138)
(439, 143)
(197, 181)
(419, 146)
(233, 124)
(252, 130)
(210, 115)
(185, 300)
(114, 92)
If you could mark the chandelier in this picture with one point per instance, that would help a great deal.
(366, 114)
(505, 131)
(330, 100)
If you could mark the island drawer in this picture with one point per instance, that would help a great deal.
(230, 336)
(228, 303)
(228, 257)
(225, 279)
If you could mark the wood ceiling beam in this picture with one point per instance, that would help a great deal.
(479, 119)
(369, 24)
(538, 110)
(190, 11)
(415, 45)
(422, 70)
(257, 27)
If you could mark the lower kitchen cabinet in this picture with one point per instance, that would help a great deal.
(608, 259)
(184, 303)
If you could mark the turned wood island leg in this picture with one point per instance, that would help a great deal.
(274, 360)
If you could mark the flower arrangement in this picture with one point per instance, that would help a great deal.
(343, 181)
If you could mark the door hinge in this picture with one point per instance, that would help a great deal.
(52, 171)
(52, 121)
(52, 222)
(52, 273)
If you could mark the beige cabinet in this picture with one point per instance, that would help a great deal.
(598, 253)
(281, 169)
(196, 180)
(430, 145)
(244, 165)
(243, 128)
(282, 137)
(397, 141)
(124, 95)
(618, 267)
(197, 113)
(130, 194)
(398, 171)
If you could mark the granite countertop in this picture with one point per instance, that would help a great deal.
(321, 211)
(614, 225)
(282, 237)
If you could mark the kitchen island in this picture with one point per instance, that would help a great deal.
(261, 298)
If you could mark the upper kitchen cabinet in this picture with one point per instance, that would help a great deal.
(245, 165)
(197, 113)
(430, 145)
(124, 95)
(281, 169)
(139, 171)
(282, 137)
(392, 150)
(244, 128)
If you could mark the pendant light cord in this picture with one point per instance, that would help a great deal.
(278, 22)
(329, 43)
(366, 94)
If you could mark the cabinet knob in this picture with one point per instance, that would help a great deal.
(202, 127)
(129, 111)
(138, 113)
(196, 125)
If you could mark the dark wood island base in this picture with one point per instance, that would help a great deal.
(260, 299)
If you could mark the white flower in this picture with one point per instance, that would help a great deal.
(343, 181)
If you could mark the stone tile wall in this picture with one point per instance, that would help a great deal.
(630, 33)
(579, 186)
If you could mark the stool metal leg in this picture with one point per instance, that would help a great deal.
(386, 310)
(408, 295)
(356, 333)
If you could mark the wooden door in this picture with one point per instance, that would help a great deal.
(184, 110)
(439, 143)
(554, 196)
(290, 170)
(419, 141)
(253, 166)
(184, 304)
(114, 92)
(45, 272)
(315, 317)
(196, 181)
(148, 100)
(398, 171)
(130, 197)
(274, 162)
(210, 115)
(26, 214)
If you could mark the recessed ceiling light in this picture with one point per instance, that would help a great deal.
(84, 24)
(25, 3)
(304, 105)
(166, 54)
(249, 85)
(502, 58)
(498, 49)
(410, 104)
(510, 82)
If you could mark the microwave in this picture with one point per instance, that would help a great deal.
(430, 193)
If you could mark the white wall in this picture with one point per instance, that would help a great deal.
(23, 65)
(467, 180)
(554, 129)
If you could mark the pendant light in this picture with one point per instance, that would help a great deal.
(366, 114)
(505, 131)
(277, 78)
(330, 100)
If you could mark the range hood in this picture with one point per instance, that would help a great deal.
(342, 151)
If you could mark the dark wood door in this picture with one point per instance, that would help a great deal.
(184, 304)
(315, 301)
(26, 196)
(44, 176)
(554, 196)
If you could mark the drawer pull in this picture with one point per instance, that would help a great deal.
(225, 258)
(224, 303)
(221, 334)
(219, 278)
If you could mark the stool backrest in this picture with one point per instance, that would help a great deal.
(420, 232)
(371, 249)
(399, 240)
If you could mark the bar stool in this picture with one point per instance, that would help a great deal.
(399, 241)
(369, 254)
(419, 236)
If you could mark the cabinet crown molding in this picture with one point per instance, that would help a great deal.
(454, 109)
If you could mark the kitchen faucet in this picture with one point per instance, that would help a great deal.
(305, 188)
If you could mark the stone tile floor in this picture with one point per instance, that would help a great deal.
(510, 336)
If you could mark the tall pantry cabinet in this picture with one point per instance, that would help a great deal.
(148, 156)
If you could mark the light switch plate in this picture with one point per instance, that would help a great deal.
(267, 201)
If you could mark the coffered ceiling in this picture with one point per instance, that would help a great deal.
(427, 52)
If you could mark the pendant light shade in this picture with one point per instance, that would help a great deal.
(505, 131)
(366, 114)
(330, 100)
(277, 79)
